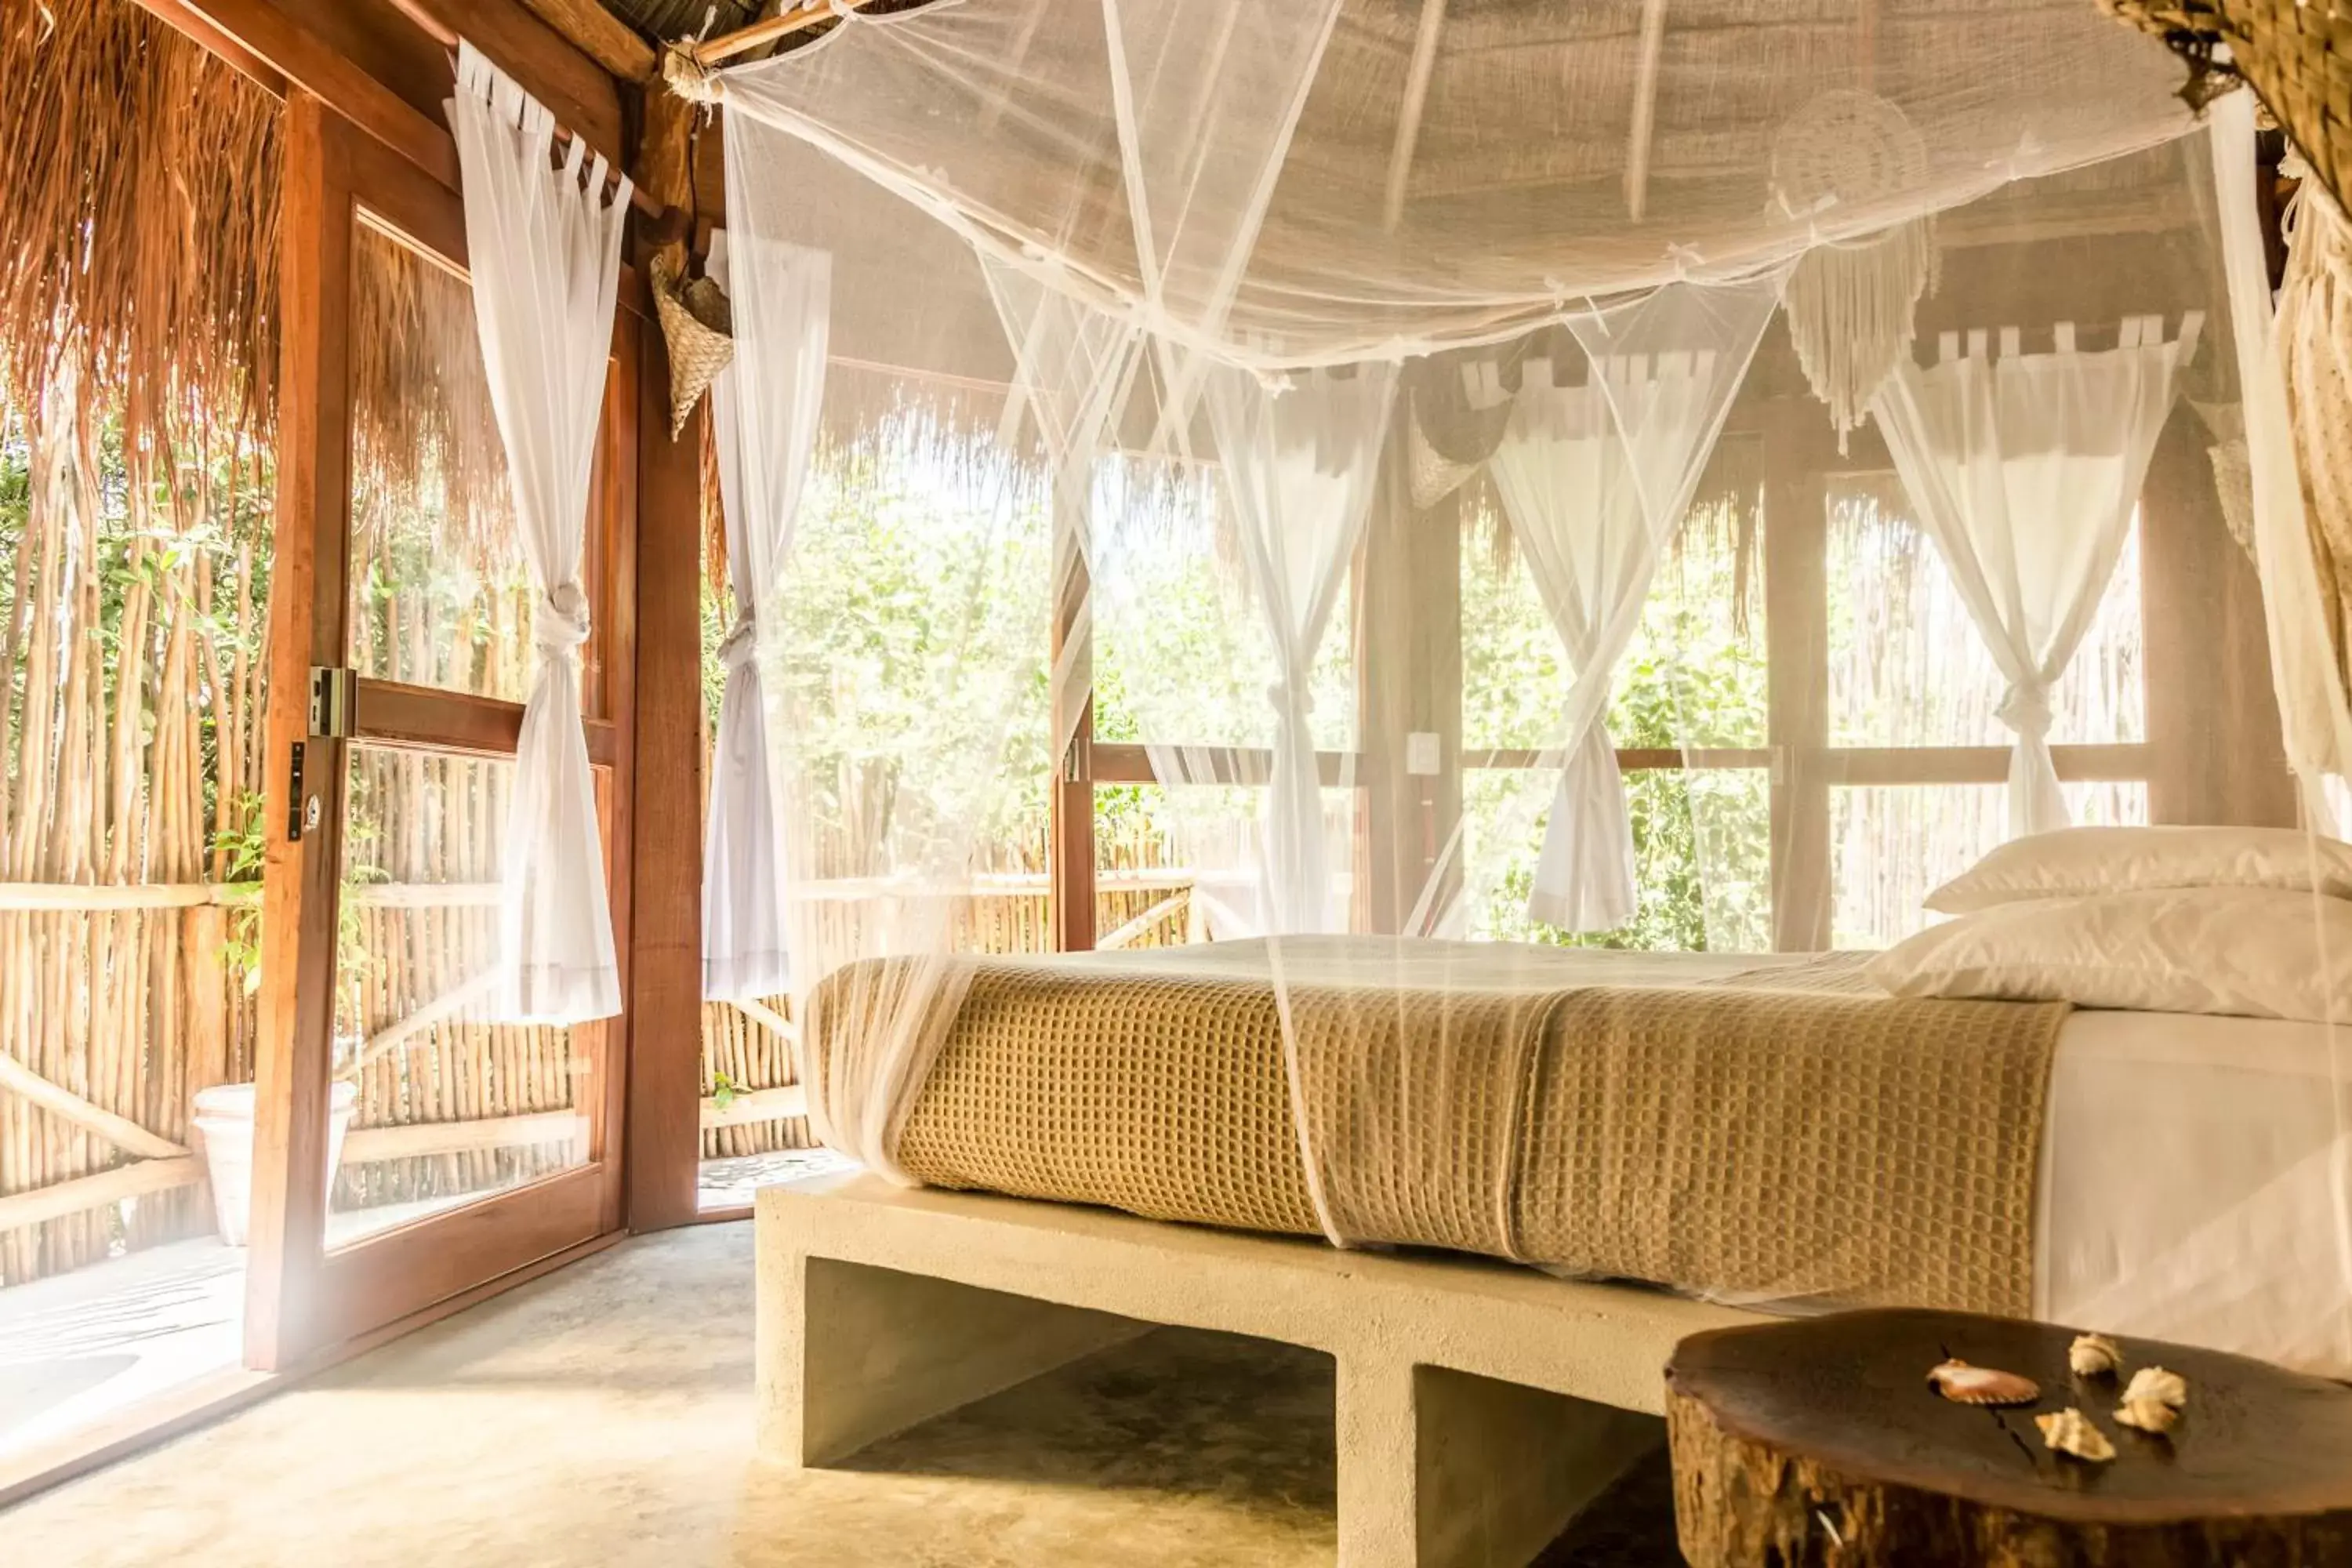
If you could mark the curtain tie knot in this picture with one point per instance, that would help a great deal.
(742, 639)
(2025, 708)
(1279, 693)
(559, 622)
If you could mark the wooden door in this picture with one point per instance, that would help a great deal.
(401, 656)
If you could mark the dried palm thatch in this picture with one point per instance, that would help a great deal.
(425, 447)
(139, 183)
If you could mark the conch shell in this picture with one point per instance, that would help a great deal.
(2094, 1355)
(1964, 1384)
(2069, 1431)
(2151, 1416)
(2153, 1383)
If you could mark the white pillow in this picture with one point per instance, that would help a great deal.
(2077, 862)
(2248, 951)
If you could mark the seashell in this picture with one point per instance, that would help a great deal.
(2155, 1383)
(2151, 1416)
(2069, 1431)
(1964, 1384)
(2094, 1355)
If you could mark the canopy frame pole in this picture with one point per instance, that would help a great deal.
(710, 52)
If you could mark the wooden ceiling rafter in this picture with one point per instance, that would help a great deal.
(1416, 101)
(601, 36)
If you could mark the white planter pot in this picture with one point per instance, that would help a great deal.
(224, 1123)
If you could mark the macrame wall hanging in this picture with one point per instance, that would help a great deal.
(1851, 305)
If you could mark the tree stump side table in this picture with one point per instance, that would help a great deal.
(1818, 1442)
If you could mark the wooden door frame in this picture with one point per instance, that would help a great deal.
(301, 1297)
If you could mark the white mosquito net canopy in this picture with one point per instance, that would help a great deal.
(1463, 566)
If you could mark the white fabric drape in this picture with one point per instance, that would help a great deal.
(2025, 470)
(1074, 367)
(1596, 479)
(745, 952)
(1566, 483)
(543, 242)
(1299, 463)
(2314, 721)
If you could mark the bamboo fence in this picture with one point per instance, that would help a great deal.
(131, 670)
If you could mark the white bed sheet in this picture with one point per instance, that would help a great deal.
(2192, 1185)
(2192, 1178)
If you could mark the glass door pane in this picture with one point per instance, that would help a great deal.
(443, 1106)
(439, 590)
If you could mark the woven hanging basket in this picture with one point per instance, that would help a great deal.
(699, 326)
(2296, 56)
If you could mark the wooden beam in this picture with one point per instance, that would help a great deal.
(416, 1140)
(120, 1131)
(759, 1105)
(136, 1180)
(381, 78)
(1121, 762)
(195, 25)
(603, 37)
(1409, 113)
(665, 1074)
(578, 91)
(1640, 133)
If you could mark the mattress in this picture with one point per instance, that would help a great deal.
(2168, 1177)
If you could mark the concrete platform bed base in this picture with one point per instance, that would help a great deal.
(1480, 1406)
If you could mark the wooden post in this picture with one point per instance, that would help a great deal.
(301, 913)
(665, 1012)
(1409, 672)
(1796, 632)
(1070, 859)
(2212, 720)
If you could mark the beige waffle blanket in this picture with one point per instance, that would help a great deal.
(1769, 1136)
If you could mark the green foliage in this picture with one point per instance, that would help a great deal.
(910, 679)
(912, 688)
(1694, 676)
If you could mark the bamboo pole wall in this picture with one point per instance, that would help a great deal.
(130, 618)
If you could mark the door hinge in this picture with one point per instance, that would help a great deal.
(334, 695)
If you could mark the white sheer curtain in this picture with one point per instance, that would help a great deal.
(744, 952)
(1596, 479)
(2025, 468)
(1567, 487)
(1299, 462)
(543, 242)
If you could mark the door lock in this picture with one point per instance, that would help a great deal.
(334, 698)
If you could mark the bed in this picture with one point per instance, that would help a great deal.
(1767, 1132)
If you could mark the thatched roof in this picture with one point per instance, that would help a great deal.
(138, 221)
(139, 205)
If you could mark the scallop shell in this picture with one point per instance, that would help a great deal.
(2155, 1383)
(1964, 1384)
(2094, 1355)
(2152, 1415)
(2069, 1431)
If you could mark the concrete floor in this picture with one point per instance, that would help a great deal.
(78, 1347)
(604, 1416)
